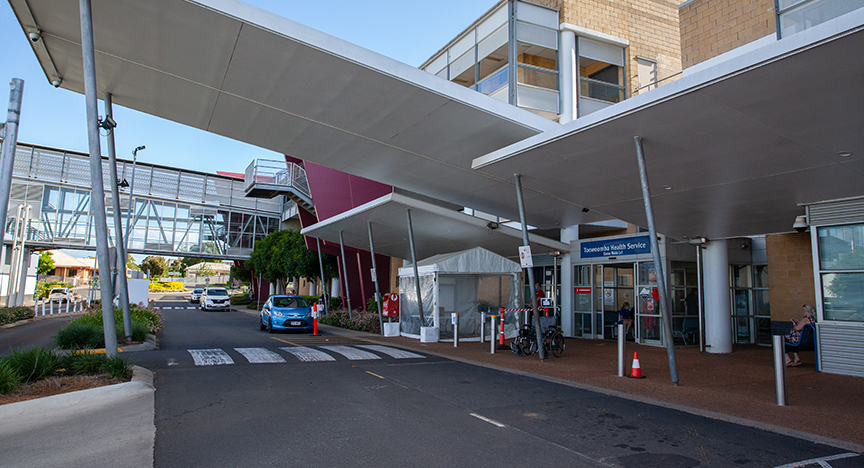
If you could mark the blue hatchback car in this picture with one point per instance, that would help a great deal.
(286, 313)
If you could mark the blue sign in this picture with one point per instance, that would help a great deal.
(616, 247)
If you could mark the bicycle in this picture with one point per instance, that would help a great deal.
(526, 342)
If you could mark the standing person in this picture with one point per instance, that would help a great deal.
(794, 336)
(625, 316)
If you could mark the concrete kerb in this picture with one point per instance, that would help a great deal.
(852, 447)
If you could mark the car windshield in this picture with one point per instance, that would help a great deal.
(289, 302)
(57, 291)
(198, 291)
(217, 292)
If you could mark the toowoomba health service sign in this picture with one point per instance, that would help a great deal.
(616, 247)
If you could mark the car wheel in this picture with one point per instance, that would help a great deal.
(270, 325)
(261, 322)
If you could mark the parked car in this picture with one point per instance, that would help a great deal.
(196, 294)
(60, 295)
(286, 313)
(215, 298)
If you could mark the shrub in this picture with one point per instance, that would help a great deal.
(9, 378)
(117, 367)
(80, 335)
(241, 299)
(89, 363)
(166, 286)
(14, 314)
(360, 320)
(34, 364)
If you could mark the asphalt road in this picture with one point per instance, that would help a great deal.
(231, 395)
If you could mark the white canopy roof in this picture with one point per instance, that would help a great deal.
(477, 261)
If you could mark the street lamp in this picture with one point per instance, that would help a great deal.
(129, 210)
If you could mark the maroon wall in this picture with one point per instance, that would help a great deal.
(335, 192)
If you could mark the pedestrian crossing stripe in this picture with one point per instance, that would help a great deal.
(392, 352)
(210, 357)
(259, 355)
(309, 354)
(352, 354)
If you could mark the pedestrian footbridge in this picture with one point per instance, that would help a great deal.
(174, 212)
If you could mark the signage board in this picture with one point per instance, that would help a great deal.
(525, 258)
(582, 290)
(616, 247)
(545, 302)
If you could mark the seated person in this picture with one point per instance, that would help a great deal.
(625, 316)
(794, 337)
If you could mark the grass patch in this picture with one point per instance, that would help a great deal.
(14, 314)
(30, 367)
(86, 332)
(33, 364)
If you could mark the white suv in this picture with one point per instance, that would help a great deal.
(215, 298)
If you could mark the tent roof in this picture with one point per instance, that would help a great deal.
(476, 260)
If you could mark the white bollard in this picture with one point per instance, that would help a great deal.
(492, 333)
(621, 343)
(68, 303)
(482, 326)
(43, 307)
(455, 317)
(779, 369)
(51, 306)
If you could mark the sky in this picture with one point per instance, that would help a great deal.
(410, 31)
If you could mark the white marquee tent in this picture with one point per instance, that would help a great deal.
(469, 282)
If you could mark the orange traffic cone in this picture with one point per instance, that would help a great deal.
(636, 370)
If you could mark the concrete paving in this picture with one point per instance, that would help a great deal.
(102, 427)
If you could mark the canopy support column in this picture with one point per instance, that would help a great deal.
(541, 350)
(658, 266)
(324, 295)
(375, 278)
(414, 265)
(345, 274)
(98, 197)
(120, 267)
(7, 157)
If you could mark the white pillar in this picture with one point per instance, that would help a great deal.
(334, 287)
(718, 313)
(567, 234)
(568, 74)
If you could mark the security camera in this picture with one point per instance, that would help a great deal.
(34, 34)
(800, 224)
(56, 81)
(107, 123)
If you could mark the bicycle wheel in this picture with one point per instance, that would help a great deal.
(518, 346)
(557, 345)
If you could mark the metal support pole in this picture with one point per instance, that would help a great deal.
(120, 268)
(700, 299)
(541, 349)
(779, 369)
(658, 266)
(129, 211)
(13, 257)
(7, 155)
(555, 288)
(414, 265)
(455, 318)
(323, 284)
(482, 326)
(375, 279)
(621, 342)
(492, 332)
(20, 271)
(345, 274)
(97, 198)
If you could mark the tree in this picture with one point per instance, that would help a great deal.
(130, 264)
(156, 265)
(283, 254)
(46, 263)
(241, 274)
(205, 270)
(186, 262)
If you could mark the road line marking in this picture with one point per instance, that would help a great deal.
(309, 354)
(259, 355)
(821, 461)
(172, 362)
(284, 341)
(376, 375)
(352, 354)
(490, 421)
(393, 352)
(210, 357)
(188, 308)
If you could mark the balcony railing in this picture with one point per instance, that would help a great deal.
(279, 173)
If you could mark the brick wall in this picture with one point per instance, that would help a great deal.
(790, 274)
(712, 27)
(651, 27)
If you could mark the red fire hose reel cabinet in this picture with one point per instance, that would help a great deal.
(390, 302)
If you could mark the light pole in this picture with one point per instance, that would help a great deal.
(131, 193)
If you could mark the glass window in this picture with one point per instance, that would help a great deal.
(840, 247)
(741, 276)
(843, 296)
(761, 276)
